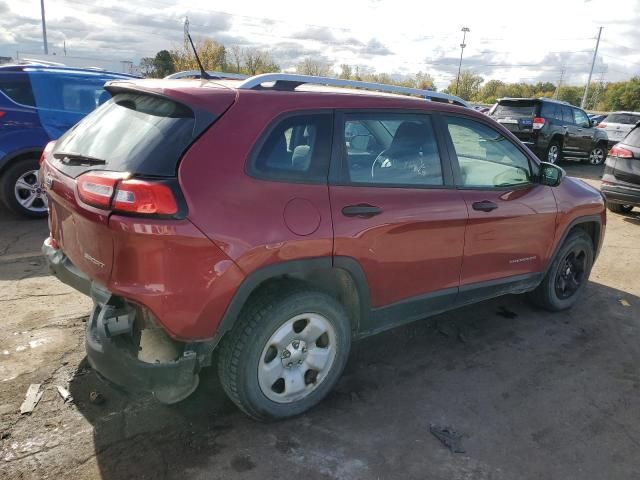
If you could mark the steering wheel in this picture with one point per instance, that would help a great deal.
(385, 162)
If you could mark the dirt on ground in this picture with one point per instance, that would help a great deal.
(533, 394)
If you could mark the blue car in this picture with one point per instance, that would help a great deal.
(38, 104)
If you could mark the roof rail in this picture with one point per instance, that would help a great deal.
(212, 75)
(289, 81)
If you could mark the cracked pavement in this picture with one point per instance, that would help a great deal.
(534, 394)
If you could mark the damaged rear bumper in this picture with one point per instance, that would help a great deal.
(113, 334)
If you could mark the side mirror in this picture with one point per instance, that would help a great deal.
(551, 174)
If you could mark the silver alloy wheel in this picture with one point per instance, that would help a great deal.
(552, 154)
(596, 157)
(297, 358)
(29, 192)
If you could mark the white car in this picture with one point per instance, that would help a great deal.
(618, 125)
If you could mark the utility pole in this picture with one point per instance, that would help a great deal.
(44, 29)
(555, 95)
(186, 33)
(593, 62)
(462, 45)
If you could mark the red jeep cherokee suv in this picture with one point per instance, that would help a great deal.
(273, 222)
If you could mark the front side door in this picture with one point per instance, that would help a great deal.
(571, 144)
(511, 216)
(395, 210)
(585, 132)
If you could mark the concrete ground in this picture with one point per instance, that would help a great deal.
(535, 395)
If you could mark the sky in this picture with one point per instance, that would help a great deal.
(508, 40)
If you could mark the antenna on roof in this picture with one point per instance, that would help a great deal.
(203, 72)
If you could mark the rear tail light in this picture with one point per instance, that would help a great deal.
(2, 113)
(601, 125)
(538, 123)
(141, 196)
(97, 188)
(113, 190)
(47, 150)
(620, 152)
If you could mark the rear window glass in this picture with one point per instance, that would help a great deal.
(17, 87)
(297, 149)
(624, 118)
(633, 138)
(515, 109)
(133, 132)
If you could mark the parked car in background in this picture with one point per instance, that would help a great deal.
(554, 130)
(272, 220)
(597, 118)
(621, 179)
(618, 125)
(39, 103)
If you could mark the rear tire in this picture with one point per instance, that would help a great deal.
(598, 154)
(271, 364)
(564, 282)
(619, 208)
(554, 152)
(20, 190)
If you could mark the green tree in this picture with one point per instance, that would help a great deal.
(468, 87)
(147, 66)
(163, 64)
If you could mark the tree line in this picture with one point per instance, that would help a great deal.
(472, 87)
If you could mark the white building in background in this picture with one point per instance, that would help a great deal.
(121, 66)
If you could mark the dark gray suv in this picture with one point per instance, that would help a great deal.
(554, 130)
(621, 179)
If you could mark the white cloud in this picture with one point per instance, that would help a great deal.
(508, 41)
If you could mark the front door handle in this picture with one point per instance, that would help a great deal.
(362, 210)
(484, 206)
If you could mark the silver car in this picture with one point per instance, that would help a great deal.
(618, 125)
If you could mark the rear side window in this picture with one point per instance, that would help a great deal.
(633, 138)
(132, 132)
(17, 86)
(624, 118)
(551, 110)
(297, 149)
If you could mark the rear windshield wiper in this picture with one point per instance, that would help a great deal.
(69, 158)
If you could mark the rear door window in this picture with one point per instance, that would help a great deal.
(69, 92)
(401, 150)
(133, 132)
(297, 149)
(17, 86)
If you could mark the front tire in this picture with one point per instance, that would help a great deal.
(286, 352)
(619, 208)
(598, 155)
(568, 275)
(20, 189)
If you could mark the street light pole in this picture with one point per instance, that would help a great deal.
(44, 29)
(462, 45)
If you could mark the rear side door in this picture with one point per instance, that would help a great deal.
(398, 214)
(511, 216)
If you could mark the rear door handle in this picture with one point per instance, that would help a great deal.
(484, 206)
(362, 210)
